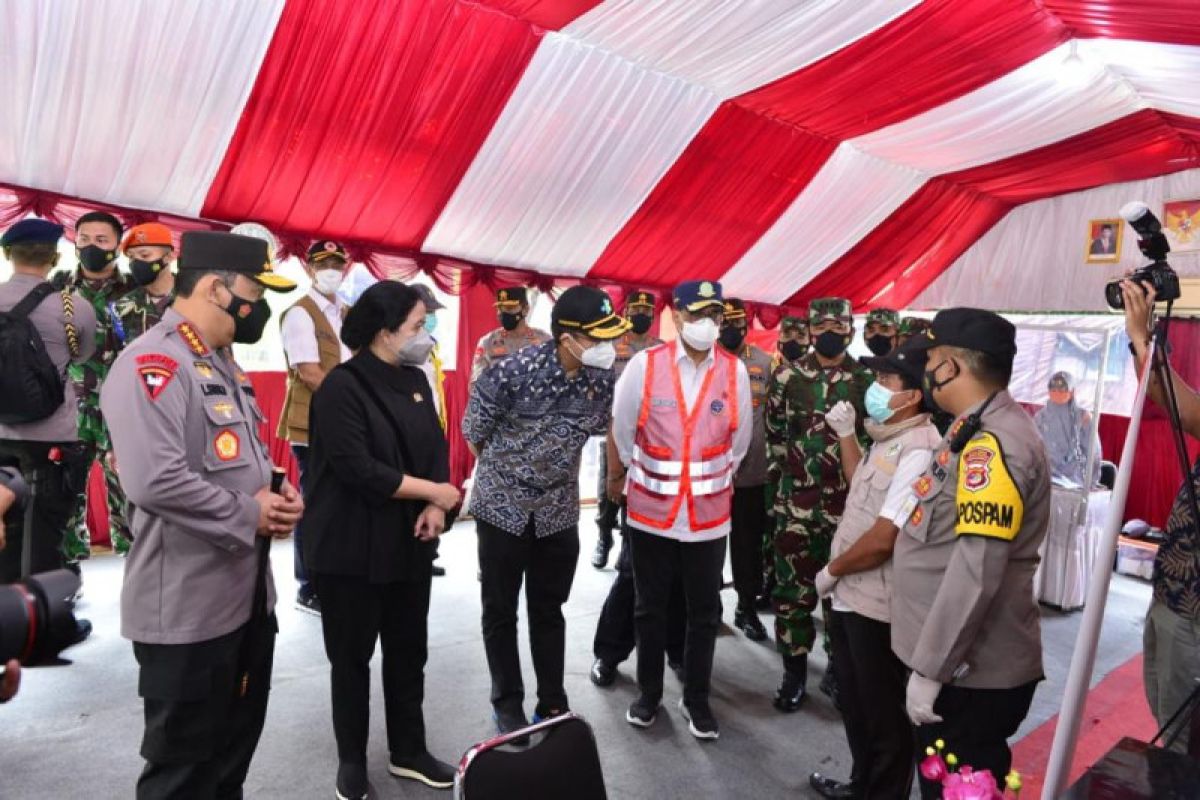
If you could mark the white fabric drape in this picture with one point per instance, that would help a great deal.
(851, 194)
(1045, 243)
(731, 46)
(126, 101)
(1163, 74)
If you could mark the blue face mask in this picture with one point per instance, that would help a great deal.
(430, 323)
(876, 400)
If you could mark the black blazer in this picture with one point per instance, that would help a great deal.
(352, 525)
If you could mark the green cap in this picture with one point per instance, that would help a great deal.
(884, 316)
(794, 323)
(911, 326)
(837, 308)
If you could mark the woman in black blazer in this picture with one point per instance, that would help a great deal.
(376, 502)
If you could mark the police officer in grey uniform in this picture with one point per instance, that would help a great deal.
(184, 424)
(964, 619)
(514, 333)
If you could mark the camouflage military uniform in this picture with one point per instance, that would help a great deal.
(136, 313)
(87, 378)
(812, 488)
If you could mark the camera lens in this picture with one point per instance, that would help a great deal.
(1112, 294)
(36, 619)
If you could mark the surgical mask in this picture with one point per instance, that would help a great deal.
(249, 318)
(831, 344)
(877, 400)
(599, 356)
(328, 281)
(732, 338)
(879, 344)
(145, 273)
(94, 258)
(700, 335)
(1060, 397)
(430, 323)
(793, 350)
(416, 350)
(641, 323)
(510, 321)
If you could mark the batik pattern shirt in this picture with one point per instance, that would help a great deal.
(1177, 565)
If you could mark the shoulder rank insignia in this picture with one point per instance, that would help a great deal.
(155, 372)
(193, 340)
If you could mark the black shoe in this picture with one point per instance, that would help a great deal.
(746, 620)
(677, 668)
(829, 688)
(791, 693)
(83, 629)
(830, 788)
(424, 768)
(352, 782)
(762, 603)
(603, 673)
(308, 602)
(642, 713)
(604, 546)
(701, 721)
(438, 572)
(507, 722)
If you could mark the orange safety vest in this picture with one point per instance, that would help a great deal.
(679, 455)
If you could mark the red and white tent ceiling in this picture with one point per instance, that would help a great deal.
(791, 148)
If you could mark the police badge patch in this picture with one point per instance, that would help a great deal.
(155, 372)
(977, 468)
(717, 406)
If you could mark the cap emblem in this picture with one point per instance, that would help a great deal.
(706, 290)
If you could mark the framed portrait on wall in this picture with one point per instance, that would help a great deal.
(1181, 225)
(1103, 241)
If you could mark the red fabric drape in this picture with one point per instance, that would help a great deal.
(1170, 21)
(477, 316)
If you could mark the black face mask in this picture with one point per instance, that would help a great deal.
(510, 321)
(144, 273)
(95, 259)
(880, 345)
(641, 323)
(831, 344)
(793, 350)
(931, 382)
(731, 338)
(249, 318)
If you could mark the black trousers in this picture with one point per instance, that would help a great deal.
(301, 454)
(658, 562)
(976, 725)
(872, 684)
(615, 634)
(200, 732)
(546, 565)
(748, 529)
(55, 486)
(607, 512)
(354, 614)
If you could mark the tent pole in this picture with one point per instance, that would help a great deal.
(1083, 660)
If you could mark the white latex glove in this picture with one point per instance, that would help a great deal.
(841, 419)
(922, 693)
(825, 583)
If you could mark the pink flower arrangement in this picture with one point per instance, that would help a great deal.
(966, 783)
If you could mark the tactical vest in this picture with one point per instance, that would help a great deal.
(680, 456)
(869, 593)
(293, 421)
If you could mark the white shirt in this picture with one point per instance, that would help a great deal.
(300, 334)
(896, 509)
(627, 404)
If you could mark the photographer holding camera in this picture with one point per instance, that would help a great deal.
(1172, 633)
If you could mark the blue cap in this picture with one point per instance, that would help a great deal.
(698, 295)
(32, 231)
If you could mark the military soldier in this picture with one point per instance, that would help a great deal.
(910, 327)
(793, 342)
(151, 252)
(639, 310)
(964, 618)
(812, 493)
(748, 525)
(184, 424)
(514, 333)
(880, 334)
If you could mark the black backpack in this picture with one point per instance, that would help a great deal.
(31, 387)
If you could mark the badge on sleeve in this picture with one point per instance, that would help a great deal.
(155, 372)
(989, 503)
(227, 446)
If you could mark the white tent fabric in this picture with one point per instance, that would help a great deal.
(1045, 243)
(82, 120)
(1162, 74)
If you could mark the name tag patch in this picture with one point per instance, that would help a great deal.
(984, 512)
(213, 390)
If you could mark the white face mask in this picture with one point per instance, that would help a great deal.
(701, 334)
(328, 281)
(600, 356)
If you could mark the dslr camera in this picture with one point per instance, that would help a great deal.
(1154, 246)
